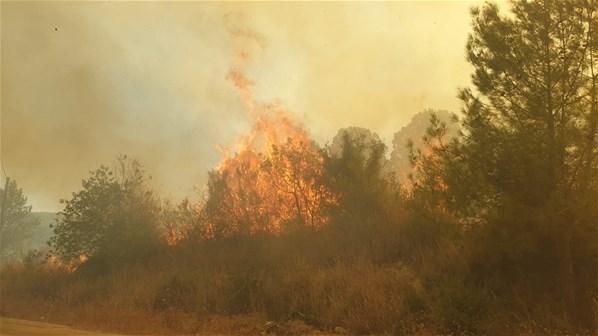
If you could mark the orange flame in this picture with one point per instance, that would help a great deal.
(55, 263)
(173, 236)
(273, 179)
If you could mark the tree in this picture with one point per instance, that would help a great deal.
(180, 221)
(531, 122)
(241, 199)
(16, 222)
(355, 166)
(412, 133)
(114, 217)
(296, 170)
(366, 208)
(526, 165)
(428, 160)
(268, 193)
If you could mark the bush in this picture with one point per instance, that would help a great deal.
(176, 295)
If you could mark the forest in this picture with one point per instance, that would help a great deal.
(478, 222)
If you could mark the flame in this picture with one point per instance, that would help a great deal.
(428, 168)
(173, 234)
(83, 258)
(243, 85)
(273, 178)
(53, 262)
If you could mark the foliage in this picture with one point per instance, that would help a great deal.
(16, 224)
(495, 231)
(115, 216)
(410, 136)
(522, 176)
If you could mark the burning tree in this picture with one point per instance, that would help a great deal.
(296, 169)
(274, 180)
(272, 183)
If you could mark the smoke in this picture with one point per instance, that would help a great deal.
(84, 82)
(246, 41)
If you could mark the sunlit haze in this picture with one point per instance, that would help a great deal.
(84, 82)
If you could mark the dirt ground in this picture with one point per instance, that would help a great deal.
(13, 327)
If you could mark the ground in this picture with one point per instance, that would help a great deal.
(14, 327)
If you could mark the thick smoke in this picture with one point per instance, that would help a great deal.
(84, 82)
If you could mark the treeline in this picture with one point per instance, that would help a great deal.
(491, 229)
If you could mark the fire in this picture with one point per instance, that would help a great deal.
(82, 258)
(173, 234)
(55, 263)
(243, 85)
(274, 178)
(427, 167)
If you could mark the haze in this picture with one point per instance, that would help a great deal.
(84, 82)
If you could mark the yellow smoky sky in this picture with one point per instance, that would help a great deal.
(83, 82)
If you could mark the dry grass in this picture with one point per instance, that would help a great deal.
(362, 298)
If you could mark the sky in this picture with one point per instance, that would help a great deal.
(83, 82)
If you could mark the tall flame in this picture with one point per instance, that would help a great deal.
(274, 177)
